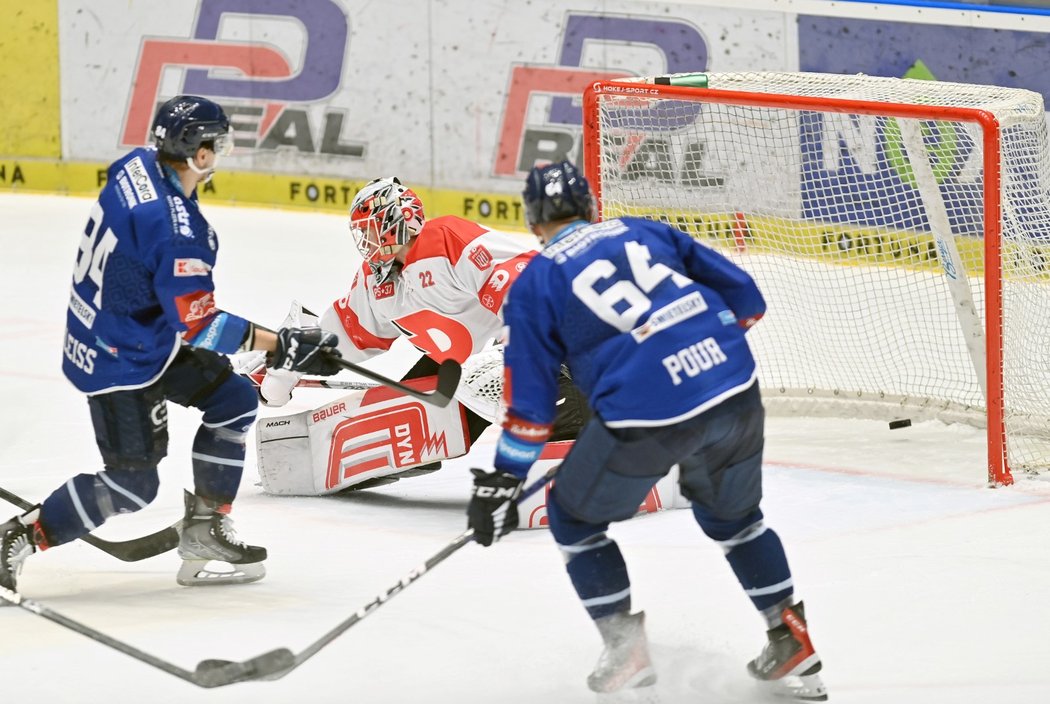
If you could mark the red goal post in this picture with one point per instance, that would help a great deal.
(899, 228)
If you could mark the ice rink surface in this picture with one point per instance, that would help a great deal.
(922, 585)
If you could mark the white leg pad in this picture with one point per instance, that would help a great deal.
(363, 435)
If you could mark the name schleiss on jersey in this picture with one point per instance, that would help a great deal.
(80, 354)
(135, 184)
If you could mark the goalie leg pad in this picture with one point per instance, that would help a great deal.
(363, 436)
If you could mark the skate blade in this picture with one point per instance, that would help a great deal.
(198, 573)
(639, 689)
(634, 695)
(799, 688)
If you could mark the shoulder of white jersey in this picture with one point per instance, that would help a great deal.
(445, 237)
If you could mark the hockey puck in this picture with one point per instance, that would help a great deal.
(894, 424)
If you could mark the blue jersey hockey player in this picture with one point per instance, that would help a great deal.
(143, 328)
(651, 325)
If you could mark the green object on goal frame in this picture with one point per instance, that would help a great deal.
(692, 80)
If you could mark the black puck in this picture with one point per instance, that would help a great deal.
(894, 424)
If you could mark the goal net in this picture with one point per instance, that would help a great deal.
(899, 229)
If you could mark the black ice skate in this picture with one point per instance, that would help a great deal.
(624, 664)
(207, 535)
(16, 544)
(788, 662)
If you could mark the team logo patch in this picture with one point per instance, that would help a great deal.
(481, 257)
(191, 267)
(195, 306)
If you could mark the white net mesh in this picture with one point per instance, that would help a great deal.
(828, 208)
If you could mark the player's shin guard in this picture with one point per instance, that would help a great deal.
(208, 535)
(218, 462)
(756, 555)
(86, 501)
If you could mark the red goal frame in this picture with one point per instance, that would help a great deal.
(998, 464)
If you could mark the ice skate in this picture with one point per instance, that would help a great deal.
(788, 664)
(624, 665)
(16, 544)
(207, 535)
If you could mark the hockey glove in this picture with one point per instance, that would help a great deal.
(308, 350)
(493, 508)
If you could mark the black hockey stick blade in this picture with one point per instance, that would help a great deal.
(458, 542)
(448, 375)
(217, 674)
(127, 550)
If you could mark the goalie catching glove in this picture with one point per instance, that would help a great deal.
(493, 508)
(309, 350)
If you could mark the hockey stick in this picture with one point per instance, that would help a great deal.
(403, 584)
(208, 674)
(126, 550)
(448, 374)
(335, 384)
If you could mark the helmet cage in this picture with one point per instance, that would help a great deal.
(384, 217)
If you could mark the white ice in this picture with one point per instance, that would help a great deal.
(922, 585)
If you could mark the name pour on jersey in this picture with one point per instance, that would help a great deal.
(694, 359)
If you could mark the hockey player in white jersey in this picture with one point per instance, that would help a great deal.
(652, 325)
(440, 282)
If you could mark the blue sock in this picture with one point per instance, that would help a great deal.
(84, 502)
(756, 555)
(218, 463)
(593, 560)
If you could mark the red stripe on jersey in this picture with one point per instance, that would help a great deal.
(447, 236)
(362, 338)
(526, 430)
(495, 289)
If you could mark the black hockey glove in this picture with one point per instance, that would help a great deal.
(493, 508)
(308, 350)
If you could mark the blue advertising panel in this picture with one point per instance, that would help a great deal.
(834, 186)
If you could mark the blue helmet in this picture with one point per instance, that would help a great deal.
(185, 122)
(556, 192)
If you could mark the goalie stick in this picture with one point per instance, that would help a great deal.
(310, 383)
(402, 584)
(127, 550)
(208, 673)
(448, 374)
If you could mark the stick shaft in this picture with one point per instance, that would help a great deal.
(127, 550)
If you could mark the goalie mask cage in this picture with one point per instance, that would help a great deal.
(899, 229)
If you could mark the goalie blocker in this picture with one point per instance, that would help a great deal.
(379, 432)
